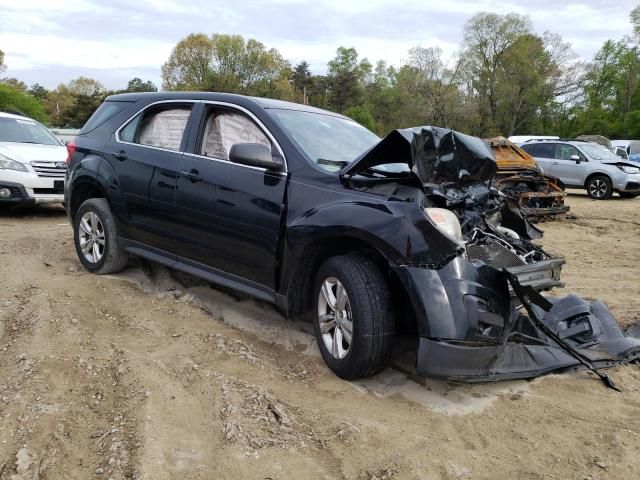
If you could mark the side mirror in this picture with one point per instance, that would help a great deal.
(255, 155)
(575, 158)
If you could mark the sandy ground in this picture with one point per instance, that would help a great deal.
(145, 375)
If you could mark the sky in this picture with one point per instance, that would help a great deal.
(52, 42)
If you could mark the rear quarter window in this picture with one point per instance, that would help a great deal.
(104, 112)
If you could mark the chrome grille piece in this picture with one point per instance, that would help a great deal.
(50, 169)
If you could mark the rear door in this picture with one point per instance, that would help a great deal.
(230, 214)
(543, 152)
(568, 170)
(147, 155)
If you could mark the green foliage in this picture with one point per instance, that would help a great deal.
(12, 99)
(346, 78)
(71, 105)
(137, 85)
(227, 63)
(362, 115)
(3, 66)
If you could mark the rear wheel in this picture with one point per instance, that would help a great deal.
(599, 187)
(354, 321)
(628, 195)
(96, 238)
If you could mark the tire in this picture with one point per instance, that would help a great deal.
(599, 187)
(367, 305)
(628, 195)
(94, 225)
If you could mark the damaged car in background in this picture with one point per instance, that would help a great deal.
(518, 175)
(308, 210)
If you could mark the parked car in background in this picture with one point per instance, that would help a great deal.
(32, 162)
(631, 149)
(65, 135)
(581, 164)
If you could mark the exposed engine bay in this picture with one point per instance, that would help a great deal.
(484, 318)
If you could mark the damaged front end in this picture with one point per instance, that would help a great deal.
(518, 176)
(480, 314)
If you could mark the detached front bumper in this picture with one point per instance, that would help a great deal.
(471, 326)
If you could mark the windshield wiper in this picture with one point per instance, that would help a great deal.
(327, 161)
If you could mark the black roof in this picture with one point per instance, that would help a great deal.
(216, 96)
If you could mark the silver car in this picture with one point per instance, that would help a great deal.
(586, 165)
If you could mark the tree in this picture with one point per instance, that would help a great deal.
(72, 104)
(302, 79)
(38, 91)
(12, 99)
(487, 38)
(137, 85)
(635, 22)
(189, 64)
(3, 66)
(346, 78)
(15, 83)
(361, 115)
(227, 63)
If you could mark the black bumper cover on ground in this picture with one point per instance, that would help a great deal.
(452, 346)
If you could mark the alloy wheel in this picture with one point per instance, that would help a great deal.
(598, 188)
(335, 317)
(92, 237)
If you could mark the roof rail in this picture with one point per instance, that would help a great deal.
(556, 140)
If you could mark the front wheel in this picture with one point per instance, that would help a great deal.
(354, 320)
(96, 238)
(599, 187)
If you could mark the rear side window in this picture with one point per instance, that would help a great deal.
(541, 150)
(104, 112)
(161, 127)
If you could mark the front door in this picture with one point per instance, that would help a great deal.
(230, 214)
(566, 168)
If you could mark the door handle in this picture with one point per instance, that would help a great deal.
(193, 175)
(121, 155)
(554, 163)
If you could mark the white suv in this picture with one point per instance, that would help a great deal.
(32, 162)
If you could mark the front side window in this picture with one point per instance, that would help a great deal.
(564, 151)
(161, 127)
(23, 130)
(225, 128)
(329, 141)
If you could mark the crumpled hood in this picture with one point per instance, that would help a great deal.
(29, 152)
(434, 154)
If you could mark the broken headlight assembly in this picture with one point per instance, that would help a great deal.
(446, 222)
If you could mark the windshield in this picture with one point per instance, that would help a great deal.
(330, 142)
(598, 152)
(22, 130)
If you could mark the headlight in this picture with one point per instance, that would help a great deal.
(447, 222)
(627, 169)
(9, 164)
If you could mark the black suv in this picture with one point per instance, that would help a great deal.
(310, 211)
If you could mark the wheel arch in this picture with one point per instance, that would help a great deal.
(301, 279)
(83, 189)
(597, 174)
